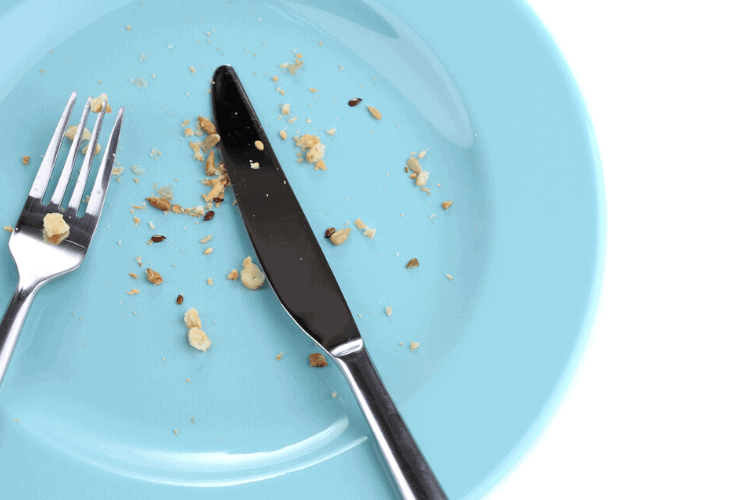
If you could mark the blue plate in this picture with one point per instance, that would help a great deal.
(98, 383)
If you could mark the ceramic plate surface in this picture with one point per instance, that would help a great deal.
(98, 382)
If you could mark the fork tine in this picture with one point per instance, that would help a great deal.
(103, 176)
(62, 184)
(75, 199)
(48, 163)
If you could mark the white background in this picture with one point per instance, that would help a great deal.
(660, 407)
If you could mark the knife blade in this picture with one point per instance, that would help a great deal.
(299, 274)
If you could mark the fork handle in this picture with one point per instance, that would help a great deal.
(12, 323)
(413, 477)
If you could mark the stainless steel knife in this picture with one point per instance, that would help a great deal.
(299, 274)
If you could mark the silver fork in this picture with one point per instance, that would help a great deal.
(38, 262)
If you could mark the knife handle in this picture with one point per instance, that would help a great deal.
(413, 476)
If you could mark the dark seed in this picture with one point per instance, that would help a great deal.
(179, 299)
(218, 200)
(157, 238)
(355, 101)
(209, 215)
(330, 231)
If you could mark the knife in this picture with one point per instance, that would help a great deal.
(299, 274)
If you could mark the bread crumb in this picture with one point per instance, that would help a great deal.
(211, 141)
(340, 236)
(447, 204)
(315, 150)
(98, 102)
(97, 150)
(251, 275)
(292, 120)
(10, 229)
(313, 89)
(210, 163)
(259, 145)
(192, 319)
(55, 229)
(192, 70)
(136, 220)
(369, 232)
(333, 394)
(449, 276)
(279, 355)
(158, 203)
(133, 291)
(154, 277)
(374, 112)
(412, 263)
(426, 190)
(151, 225)
(318, 360)
(197, 211)
(255, 166)
(25, 159)
(117, 170)
(412, 176)
(188, 132)
(135, 277)
(422, 178)
(206, 125)
(198, 339)
(138, 260)
(185, 123)
(413, 345)
(210, 281)
(285, 109)
(414, 165)
(70, 133)
(331, 131)
(196, 147)
(320, 165)
(389, 310)
(282, 134)
(295, 66)
(208, 251)
(175, 432)
(233, 275)
(422, 154)
(206, 239)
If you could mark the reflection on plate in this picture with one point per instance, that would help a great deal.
(99, 381)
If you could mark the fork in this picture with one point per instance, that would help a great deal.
(39, 262)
